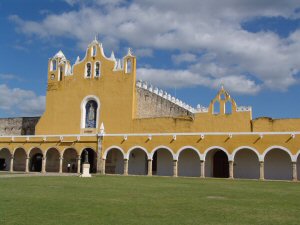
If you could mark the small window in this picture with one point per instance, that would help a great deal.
(60, 73)
(216, 107)
(222, 97)
(228, 107)
(53, 66)
(97, 69)
(88, 70)
(128, 66)
(94, 51)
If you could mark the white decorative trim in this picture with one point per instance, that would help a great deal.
(259, 156)
(137, 147)
(280, 148)
(187, 148)
(162, 147)
(83, 112)
(216, 148)
(111, 148)
(243, 108)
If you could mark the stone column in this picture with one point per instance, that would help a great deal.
(11, 168)
(44, 165)
(27, 164)
(99, 155)
(149, 167)
(60, 164)
(202, 169)
(103, 166)
(175, 168)
(261, 170)
(294, 166)
(78, 163)
(125, 167)
(231, 169)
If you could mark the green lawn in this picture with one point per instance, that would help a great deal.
(146, 200)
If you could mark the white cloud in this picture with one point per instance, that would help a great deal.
(208, 31)
(19, 102)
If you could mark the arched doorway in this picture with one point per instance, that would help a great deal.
(92, 158)
(162, 162)
(70, 157)
(278, 165)
(138, 162)
(20, 159)
(216, 164)
(114, 163)
(52, 160)
(188, 163)
(5, 157)
(36, 160)
(246, 164)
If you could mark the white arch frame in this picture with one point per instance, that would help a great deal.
(137, 147)
(297, 155)
(83, 110)
(186, 148)
(217, 148)
(52, 66)
(111, 148)
(235, 151)
(162, 147)
(99, 69)
(292, 157)
(94, 53)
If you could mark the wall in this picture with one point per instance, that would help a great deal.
(246, 165)
(137, 163)
(18, 126)
(189, 164)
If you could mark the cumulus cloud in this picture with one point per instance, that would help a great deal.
(19, 102)
(206, 34)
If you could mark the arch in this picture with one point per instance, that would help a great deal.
(162, 147)
(83, 110)
(5, 156)
(88, 70)
(235, 151)
(128, 66)
(53, 65)
(114, 147)
(137, 147)
(36, 156)
(189, 147)
(298, 165)
(70, 156)
(216, 108)
(60, 73)
(52, 160)
(19, 159)
(94, 51)
(114, 160)
(92, 158)
(189, 161)
(228, 107)
(162, 161)
(277, 147)
(216, 162)
(137, 161)
(246, 163)
(277, 163)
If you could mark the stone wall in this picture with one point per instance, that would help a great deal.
(18, 126)
(151, 105)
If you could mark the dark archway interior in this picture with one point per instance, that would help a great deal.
(36, 162)
(220, 165)
(91, 159)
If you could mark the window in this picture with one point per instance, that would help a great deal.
(60, 73)
(53, 65)
(216, 107)
(94, 51)
(128, 65)
(91, 114)
(88, 70)
(97, 69)
(228, 107)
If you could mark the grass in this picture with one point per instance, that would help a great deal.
(146, 200)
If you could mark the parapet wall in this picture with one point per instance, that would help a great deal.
(18, 126)
(151, 105)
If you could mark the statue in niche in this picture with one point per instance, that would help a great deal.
(91, 108)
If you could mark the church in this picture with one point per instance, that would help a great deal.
(129, 127)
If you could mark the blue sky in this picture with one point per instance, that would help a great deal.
(188, 48)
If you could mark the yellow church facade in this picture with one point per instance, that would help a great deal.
(130, 127)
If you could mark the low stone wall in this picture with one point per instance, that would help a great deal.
(151, 105)
(18, 126)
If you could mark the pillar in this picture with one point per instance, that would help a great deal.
(11, 168)
(175, 168)
(231, 169)
(78, 163)
(202, 169)
(44, 165)
(27, 164)
(149, 167)
(103, 166)
(60, 164)
(125, 167)
(294, 166)
(261, 170)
